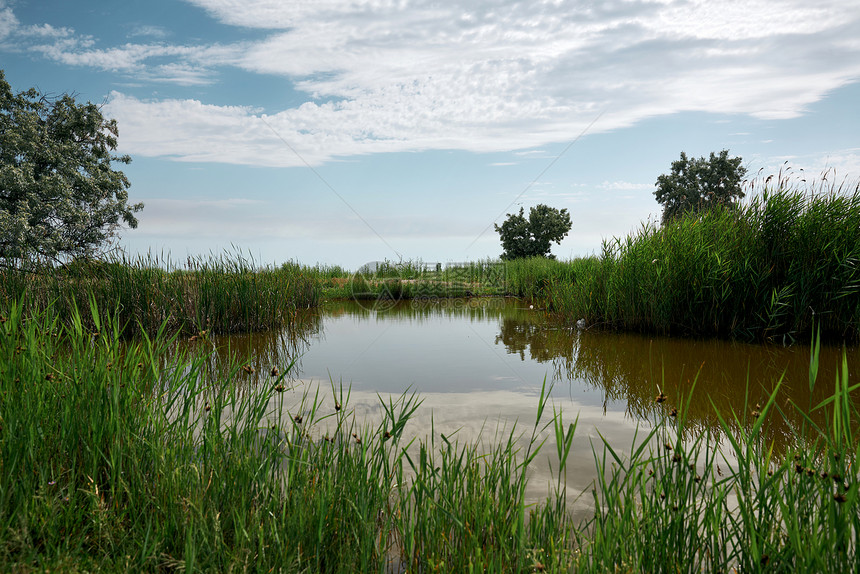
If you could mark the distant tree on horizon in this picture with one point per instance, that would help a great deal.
(696, 185)
(534, 236)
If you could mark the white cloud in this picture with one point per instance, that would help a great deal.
(78, 51)
(411, 75)
(8, 22)
(151, 31)
(46, 31)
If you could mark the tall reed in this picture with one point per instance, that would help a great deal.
(138, 457)
(224, 293)
(785, 259)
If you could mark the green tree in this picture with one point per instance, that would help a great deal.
(60, 198)
(523, 237)
(696, 185)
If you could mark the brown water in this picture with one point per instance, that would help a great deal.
(479, 364)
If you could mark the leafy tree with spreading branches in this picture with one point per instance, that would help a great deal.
(60, 197)
(696, 185)
(531, 237)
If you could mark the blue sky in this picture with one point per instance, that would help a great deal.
(343, 132)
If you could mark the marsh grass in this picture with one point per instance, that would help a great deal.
(138, 457)
(389, 281)
(225, 293)
(768, 270)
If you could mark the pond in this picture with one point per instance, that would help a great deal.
(479, 365)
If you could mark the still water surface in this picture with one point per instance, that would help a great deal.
(479, 365)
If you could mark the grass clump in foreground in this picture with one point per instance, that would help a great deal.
(139, 458)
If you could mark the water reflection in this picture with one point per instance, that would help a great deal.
(478, 365)
(480, 345)
(729, 376)
(263, 351)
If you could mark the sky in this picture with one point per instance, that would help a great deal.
(341, 132)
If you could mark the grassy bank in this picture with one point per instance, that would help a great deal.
(137, 458)
(782, 262)
(217, 294)
(389, 281)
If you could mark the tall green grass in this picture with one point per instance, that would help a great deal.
(387, 281)
(224, 293)
(769, 270)
(535, 277)
(136, 457)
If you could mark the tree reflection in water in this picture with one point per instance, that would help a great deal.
(623, 368)
(728, 376)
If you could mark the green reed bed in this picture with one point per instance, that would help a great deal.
(782, 261)
(139, 457)
(532, 278)
(221, 294)
(388, 281)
